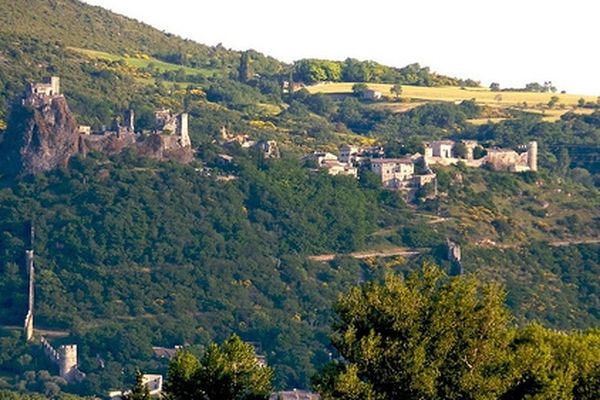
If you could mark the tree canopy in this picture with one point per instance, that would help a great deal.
(229, 371)
(433, 337)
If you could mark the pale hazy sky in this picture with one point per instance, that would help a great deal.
(512, 42)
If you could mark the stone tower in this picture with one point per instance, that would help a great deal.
(55, 85)
(532, 155)
(67, 363)
(29, 257)
(130, 120)
(183, 130)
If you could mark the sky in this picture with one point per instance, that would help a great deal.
(512, 42)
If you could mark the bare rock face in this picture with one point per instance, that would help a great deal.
(164, 147)
(41, 137)
(152, 145)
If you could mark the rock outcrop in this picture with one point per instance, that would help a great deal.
(41, 136)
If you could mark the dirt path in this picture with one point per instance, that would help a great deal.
(573, 242)
(43, 332)
(391, 252)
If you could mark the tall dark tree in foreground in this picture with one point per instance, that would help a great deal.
(139, 391)
(229, 371)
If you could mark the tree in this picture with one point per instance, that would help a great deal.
(359, 89)
(229, 371)
(581, 102)
(397, 90)
(460, 150)
(139, 390)
(426, 337)
(245, 70)
(553, 101)
(495, 87)
(564, 162)
(553, 365)
(181, 382)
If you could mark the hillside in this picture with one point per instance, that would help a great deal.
(76, 24)
(135, 253)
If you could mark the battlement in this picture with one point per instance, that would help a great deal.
(176, 124)
(42, 92)
(66, 360)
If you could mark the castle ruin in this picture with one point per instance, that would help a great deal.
(66, 360)
(443, 152)
(49, 135)
(42, 92)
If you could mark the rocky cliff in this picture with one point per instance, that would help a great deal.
(40, 137)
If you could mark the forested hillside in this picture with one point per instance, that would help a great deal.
(133, 253)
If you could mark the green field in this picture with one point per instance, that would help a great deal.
(455, 93)
(144, 61)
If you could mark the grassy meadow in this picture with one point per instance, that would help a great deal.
(143, 61)
(412, 96)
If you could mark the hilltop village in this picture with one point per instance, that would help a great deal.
(411, 173)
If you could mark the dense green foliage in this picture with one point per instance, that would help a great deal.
(546, 283)
(428, 337)
(131, 256)
(229, 371)
(352, 70)
(132, 253)
(138, 391)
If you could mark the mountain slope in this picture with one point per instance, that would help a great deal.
(73, 23)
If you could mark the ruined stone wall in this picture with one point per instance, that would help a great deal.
(508, 160)
(28, 326)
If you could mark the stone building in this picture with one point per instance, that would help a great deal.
(511, 161)
(268, 148)
(349, 153)
(442, 153)
(168, 123)
(395, 173)
(372, 95)
(66, 359)
(153, 382)
(294, 395)
(43, 91)
(334, 167)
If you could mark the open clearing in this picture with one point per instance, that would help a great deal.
(411, 94)
(143, 62)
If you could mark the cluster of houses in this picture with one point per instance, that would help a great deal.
(268, 148)
(413, 172)
(395, 173)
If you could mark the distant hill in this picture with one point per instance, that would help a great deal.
(73, 23)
